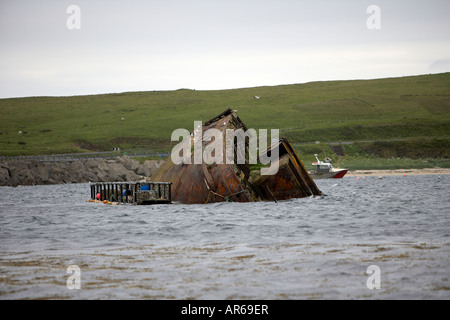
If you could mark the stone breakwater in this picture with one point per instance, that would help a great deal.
(34, 172)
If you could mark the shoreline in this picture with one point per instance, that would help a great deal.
(33, 172)
(398, 172)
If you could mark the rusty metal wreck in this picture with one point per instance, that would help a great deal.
(237, 182)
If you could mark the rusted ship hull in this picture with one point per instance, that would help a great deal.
(206, 183)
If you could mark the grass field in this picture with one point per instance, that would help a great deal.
(415, 108)
(382, 154)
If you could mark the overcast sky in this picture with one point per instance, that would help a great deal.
(120, 46)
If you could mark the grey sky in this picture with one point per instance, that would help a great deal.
(211, 44)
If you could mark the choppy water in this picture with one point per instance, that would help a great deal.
(311, 248)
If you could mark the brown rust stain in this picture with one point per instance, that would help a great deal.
(203, 183)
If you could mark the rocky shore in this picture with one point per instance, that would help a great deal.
(124, 168)
(34, 172)
(398, 172)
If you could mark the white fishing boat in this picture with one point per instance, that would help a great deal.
(325, 170)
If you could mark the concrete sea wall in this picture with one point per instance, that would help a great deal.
(34, 172)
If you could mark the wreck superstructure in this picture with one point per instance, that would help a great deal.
(238, 181)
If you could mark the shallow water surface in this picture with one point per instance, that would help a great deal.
(310, 248)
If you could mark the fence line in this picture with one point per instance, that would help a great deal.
(79, 156)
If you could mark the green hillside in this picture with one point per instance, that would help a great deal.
(411, 108)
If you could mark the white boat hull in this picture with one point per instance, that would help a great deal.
(332, 174)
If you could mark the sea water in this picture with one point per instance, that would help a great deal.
(321, 247)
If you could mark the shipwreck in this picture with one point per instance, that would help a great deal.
(238, 180)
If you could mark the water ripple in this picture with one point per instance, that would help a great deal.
(318, 247)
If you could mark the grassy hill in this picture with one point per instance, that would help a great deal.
(415, 108)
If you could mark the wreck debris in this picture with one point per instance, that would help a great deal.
(239, 182)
